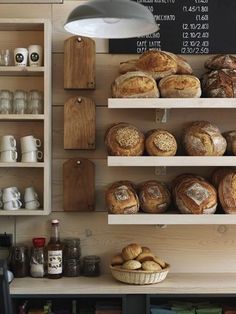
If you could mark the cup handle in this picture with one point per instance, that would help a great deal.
(19, 203)
(37, 142)
(13, 142)
(39, 155)
(14, 155)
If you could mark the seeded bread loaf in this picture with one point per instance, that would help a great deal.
(121, 199)
(220, 62)
(124, 139)
(160, 143)
(180, 86)
(227, 193)
(135, 85)
(154, 197)
(202, 138)
(231, 142)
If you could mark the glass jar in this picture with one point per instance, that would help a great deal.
(37, 261)
(91, 266)
(71, 267)
(19, 261)
(71, 248)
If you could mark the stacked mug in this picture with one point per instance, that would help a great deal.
(8, 149)
(29, 149)
(31, 198)
(11, 198)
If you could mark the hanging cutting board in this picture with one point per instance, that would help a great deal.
(79, 123)
(78, 185)
(79, 63)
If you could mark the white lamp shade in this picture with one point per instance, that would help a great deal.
(111, 19)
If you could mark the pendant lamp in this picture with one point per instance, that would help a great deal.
(111, 19)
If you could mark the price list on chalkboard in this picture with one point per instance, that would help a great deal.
(186, 27)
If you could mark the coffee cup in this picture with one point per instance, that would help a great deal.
(32, 204)
(32, 156)
(12, 205)
(21, 56)
(10, 194)
(35, 55)
(30, 194)
(29, 143)
(8, 156)
(7, 142)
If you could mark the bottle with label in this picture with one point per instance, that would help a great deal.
(54, 249)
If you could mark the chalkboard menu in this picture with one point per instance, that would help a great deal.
(186, 27)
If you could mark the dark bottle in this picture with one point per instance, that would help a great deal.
(54, 250)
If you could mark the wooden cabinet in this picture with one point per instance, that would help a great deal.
(15, 33)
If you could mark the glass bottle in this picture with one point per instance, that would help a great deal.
(37, 261)
(54, 250)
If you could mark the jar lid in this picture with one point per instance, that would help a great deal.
(39, 242)
(92, 258)
(71, 241)
(55, 221)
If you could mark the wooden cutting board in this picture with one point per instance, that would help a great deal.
(78, 185)
(79, 123)
(79, 63)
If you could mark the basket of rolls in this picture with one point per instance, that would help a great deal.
(138, 265)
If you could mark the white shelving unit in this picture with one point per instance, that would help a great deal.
(22, 33)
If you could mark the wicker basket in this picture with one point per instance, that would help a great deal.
(139, 277)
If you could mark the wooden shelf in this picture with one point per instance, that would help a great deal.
(21, 71)
(175, 161)
(21, 164)
(171, 103)
(21, 117)
(171, 219)
(23, 212)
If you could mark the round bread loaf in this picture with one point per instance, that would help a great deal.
(145, 249)
(159, 261)
(218, 175)
(220, 62)
(154, 197)
(131, 251)
(219, 84)
(157, 63)
(195, 196)
(124, 139)
(117, 260)
(231, 142)
(132, 265)
(180, 86)
(121, 199)
(227, 193)
(135, 85)
(151, 266)
(183, 67)
(160, 143)
(202, 138)
(143, 257)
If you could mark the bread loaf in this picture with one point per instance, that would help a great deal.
(124, 139)
(195, 196)
(151, 266)
(131, 251)
(231, 142)
(227, 193)
(220, 62)
(117, 260)
(219, 84)
(135, 85)
(160, 143)
(202, 138)
(218, 175)
(121, 199)
(132, 265)
(180, 86)
(183, 67)
(154, 197)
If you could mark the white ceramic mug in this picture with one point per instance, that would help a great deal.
(33, 156)
(19, 106)
(21, 56)
(10, 194)
(35, 55)
(1, 204)
(32, 204)
(5, 106)
(12, 205)
(35, 106)
(7, 142)
(9, 156)
(29, 144)
(30, 194)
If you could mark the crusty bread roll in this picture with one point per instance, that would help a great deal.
(160, 143)
(202, 138)
(131, 251)
(219, 62)
(151, 266)
(143, 257)
(154, 197)
(218, 174)
(183, 67)
(117, 260)
(195, 196)
(230, 137)
(227, 193)
(132, 265)
(121, 199)
(159, 261)
(180, 86)
(124, 139)
(145, 249)
(135, 85)
(219, 84)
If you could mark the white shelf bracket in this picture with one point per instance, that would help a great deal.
(162, 115)
(160, 171)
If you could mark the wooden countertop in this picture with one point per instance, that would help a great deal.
(105, 284)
